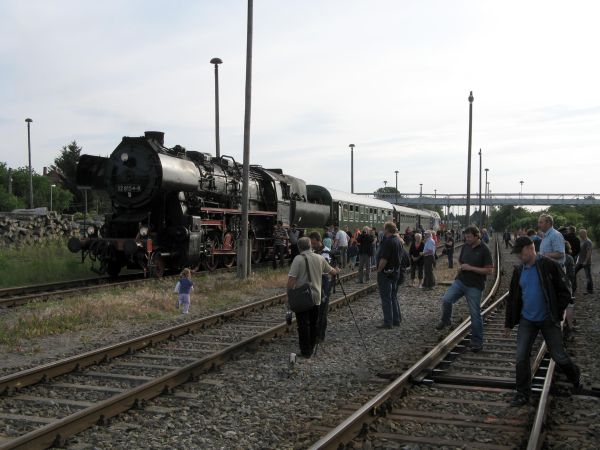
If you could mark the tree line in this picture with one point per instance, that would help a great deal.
(66, 197)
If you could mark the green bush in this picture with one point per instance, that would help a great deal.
(40, 263)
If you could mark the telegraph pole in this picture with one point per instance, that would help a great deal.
(243, 253)
(468, 213)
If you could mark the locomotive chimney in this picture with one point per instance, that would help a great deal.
(157, 136)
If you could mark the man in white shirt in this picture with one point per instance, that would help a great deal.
(340, 242)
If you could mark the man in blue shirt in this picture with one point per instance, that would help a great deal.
(539, 293)
(553, 244)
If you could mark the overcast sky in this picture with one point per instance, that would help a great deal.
(391, 77)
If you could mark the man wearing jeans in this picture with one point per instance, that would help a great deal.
(539, 293)
(474, 264)
(388, 272)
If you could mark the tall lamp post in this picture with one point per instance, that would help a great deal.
(486, 196)
(52, 186)
(384, 183)
(216, 62)
(435, 193)
(521, 193)
(420, 189)
(28, 120)
(489, 195)
(396, 172)
(480, 216)
(351, 168)
(468, 212)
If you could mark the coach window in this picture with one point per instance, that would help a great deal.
(345, 209)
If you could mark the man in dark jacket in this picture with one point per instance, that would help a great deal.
(539, 293)
(365, 242)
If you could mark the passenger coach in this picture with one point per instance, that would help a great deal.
(355, 211)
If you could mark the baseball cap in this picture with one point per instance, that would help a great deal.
(522, 241)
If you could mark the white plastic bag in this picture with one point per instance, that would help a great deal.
(177, 286)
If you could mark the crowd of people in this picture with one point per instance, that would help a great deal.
(542, 289)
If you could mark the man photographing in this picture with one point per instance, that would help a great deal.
(539, 293)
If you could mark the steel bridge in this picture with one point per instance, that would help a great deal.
(494, 199)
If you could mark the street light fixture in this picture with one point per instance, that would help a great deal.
(28, 120)
(480, 216)
(486, 196)
(435, 193)
(420, 189)
(216, 62)
(384, 183)
(52, 186)
(396, 172)
(521, 193)
(351, 168)
(468, 212)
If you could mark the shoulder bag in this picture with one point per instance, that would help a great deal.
(300, 298)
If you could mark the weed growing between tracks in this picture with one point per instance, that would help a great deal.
(24, 329)
(41, 262)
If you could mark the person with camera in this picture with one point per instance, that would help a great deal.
(388, 273)
(320, 249)
(308, 268)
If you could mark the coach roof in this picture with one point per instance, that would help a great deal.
(327, 195)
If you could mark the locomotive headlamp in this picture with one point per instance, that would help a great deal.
(124, 157)
(144, 231)
(91, 230)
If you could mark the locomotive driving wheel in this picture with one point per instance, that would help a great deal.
(211, 262)
(229, 260)
(157, 266)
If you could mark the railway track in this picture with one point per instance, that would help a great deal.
(37, 408)
(455, 398)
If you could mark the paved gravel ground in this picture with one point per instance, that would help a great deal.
(259, 401)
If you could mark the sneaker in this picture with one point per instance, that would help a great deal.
(475, 349)
(519, 400)
(383, 326)
(440, 326)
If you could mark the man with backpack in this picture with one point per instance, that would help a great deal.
(390, 274)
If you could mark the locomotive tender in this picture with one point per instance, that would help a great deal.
(174, 208)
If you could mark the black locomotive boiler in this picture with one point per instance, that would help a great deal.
(173, 208)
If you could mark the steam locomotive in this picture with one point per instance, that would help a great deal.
(174, 208)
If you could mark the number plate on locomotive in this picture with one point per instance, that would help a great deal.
(129, 188)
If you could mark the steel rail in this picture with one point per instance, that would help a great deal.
(537, 435)
(348, 429)
(56, 433)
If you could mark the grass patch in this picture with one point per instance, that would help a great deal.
(42, 262)
(119, 307)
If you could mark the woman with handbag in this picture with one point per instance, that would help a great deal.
(304, 293)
